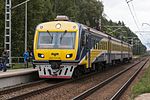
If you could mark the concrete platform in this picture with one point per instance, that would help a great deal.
(17, 76)
(145, 96)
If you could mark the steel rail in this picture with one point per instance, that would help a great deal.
(18, 87)
(47, 88)
(100, 85)
(118, 94)
(34, 92)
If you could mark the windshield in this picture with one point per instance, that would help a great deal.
(55, 40)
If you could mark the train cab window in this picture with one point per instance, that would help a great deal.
(67, 40)
(64, 40)
(83, 38)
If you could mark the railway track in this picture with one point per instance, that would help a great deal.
(18, 87)
(28, 92)
(120, 91)
(12, 92)
(33, 88)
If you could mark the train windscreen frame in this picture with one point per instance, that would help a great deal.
(56, 40)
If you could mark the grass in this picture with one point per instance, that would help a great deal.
(19, 66)
(143, 86)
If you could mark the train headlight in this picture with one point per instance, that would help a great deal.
(58, 26)
(68, 55)
(40, 55)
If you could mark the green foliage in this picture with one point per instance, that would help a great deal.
(143, 86)
(87, 12)
(20, 66)
(2, 16)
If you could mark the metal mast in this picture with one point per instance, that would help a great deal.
(7, 39)
(25, 2)
(26, 9)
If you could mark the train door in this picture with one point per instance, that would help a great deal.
(109, 49)
(121, 50)
(88, 49)
(128, 52)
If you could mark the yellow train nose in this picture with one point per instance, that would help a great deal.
(55, 56)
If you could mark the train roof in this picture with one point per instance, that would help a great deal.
(91, 30)
(94, 30)
(104, 34)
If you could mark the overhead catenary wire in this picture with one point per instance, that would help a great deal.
(135, 13)
(132, 15)
(136, 18)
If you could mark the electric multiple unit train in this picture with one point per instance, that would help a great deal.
(63, 49)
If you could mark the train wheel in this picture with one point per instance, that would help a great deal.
(77, 73)
(113, 63)
(93, 68)
(103, 66)
(98, 67)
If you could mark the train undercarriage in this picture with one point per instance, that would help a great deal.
(69, 70)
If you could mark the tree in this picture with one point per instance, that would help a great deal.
(2, 24)
(87, 12)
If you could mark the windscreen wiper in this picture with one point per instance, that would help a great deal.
(50, 34)
(63, 35)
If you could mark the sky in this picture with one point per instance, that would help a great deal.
(118, 10)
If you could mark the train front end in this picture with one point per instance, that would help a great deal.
(55, 49)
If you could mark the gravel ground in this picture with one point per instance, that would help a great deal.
(106, 92)
(68, 91)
